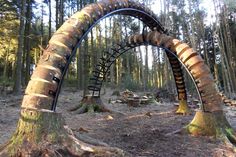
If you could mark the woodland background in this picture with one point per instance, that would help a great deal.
(27, 25)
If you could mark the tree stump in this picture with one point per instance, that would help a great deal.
(90, 104)
(43, 133)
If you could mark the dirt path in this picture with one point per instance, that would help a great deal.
(140, 131)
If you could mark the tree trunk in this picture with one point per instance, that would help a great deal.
(79, 68)
(112, 68)
(79, 55)
(42, 29)
(61, 12)
(49, 20)
(18, 72)
(86, 67)
(6, 61)
(146, 73)
(141, 67)
(40, 131)
(57, 14)
(28, 40)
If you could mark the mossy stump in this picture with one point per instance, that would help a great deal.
(90, 104)
(43, 133)
(211, 124)
(183, 108)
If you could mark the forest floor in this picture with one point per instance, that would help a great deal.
(141, 131)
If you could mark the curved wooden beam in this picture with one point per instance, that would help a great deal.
(194, 63)
(44, 87)
(104, 63)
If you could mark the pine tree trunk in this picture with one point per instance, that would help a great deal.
(57, 14)
(18, 72)
(61, 12)
(86, 67)
(5, 69)
(28, 40)
(49, 19)
(79, 67)
(141, 67)
(146, 71)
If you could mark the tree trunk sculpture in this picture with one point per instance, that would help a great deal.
(210, 120)
(41, 131)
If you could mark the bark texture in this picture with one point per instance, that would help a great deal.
(44, 133)
(90, 104)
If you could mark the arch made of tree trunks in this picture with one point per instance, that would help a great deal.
(44, 87)
(193, 63)
(102, 67)
(41, 129)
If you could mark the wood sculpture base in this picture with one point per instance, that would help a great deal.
(211, 124)
(183, 108)
(90, 104)
(43, 133)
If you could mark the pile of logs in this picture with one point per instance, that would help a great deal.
(132, 99)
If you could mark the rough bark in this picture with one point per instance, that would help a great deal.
(90, 104)
(44, 133)
(5, 69)
(49, 19)
(28, 40)
(57, 14)
(18, 72)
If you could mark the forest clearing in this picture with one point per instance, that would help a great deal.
(130, 129)
(116, 78)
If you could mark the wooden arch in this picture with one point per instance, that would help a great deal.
(42, 131)
(102, 68)
(44, 87)
(192, 61)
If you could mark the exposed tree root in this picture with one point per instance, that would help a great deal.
(183, 108)
(90, 104)
(210, 124)
(43, 133)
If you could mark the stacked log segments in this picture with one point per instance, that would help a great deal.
(156, 38)
(195, 65)
(56, 57)
(58, 54)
